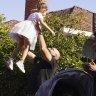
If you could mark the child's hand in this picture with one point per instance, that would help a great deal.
(53, 33)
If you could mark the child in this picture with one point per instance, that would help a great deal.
(25, 33)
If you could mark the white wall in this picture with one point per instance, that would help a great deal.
(89, 49)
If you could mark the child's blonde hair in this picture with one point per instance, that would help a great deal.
(41, 6)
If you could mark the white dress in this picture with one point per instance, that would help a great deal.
(27, 28)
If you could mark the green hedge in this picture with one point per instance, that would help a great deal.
(13, 83)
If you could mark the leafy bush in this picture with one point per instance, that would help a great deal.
(10, 82)
(69, 46)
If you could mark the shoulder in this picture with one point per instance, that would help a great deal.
(53, 64)
(39, 15)
(36, 13)
(32, 14)
(53, 61)
(39, 59)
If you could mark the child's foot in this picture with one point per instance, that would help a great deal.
(20, 65)
(9, 64)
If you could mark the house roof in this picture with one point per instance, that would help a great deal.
(70, 10)
(11, 23)
(88, 23)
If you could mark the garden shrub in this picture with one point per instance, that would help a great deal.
(13, 83)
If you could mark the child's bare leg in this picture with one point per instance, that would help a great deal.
(25, 49)
(19, 47)
(16, 50)
(20, 64)
(9, 63)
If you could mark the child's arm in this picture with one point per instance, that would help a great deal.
(47, 27)
(38, 27)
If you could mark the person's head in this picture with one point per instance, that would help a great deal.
(42, 8)
(87, 68)
(54, 52)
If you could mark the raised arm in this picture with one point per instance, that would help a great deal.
(43, 48)
(47, 27)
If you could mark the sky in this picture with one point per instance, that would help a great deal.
(15, 9)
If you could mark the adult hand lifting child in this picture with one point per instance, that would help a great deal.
(26, 33)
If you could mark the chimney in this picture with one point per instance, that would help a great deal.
(94, 23)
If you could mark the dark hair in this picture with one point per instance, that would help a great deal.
(42, 6)
(86, 68)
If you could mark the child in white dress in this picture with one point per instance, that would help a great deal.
(26, 33)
